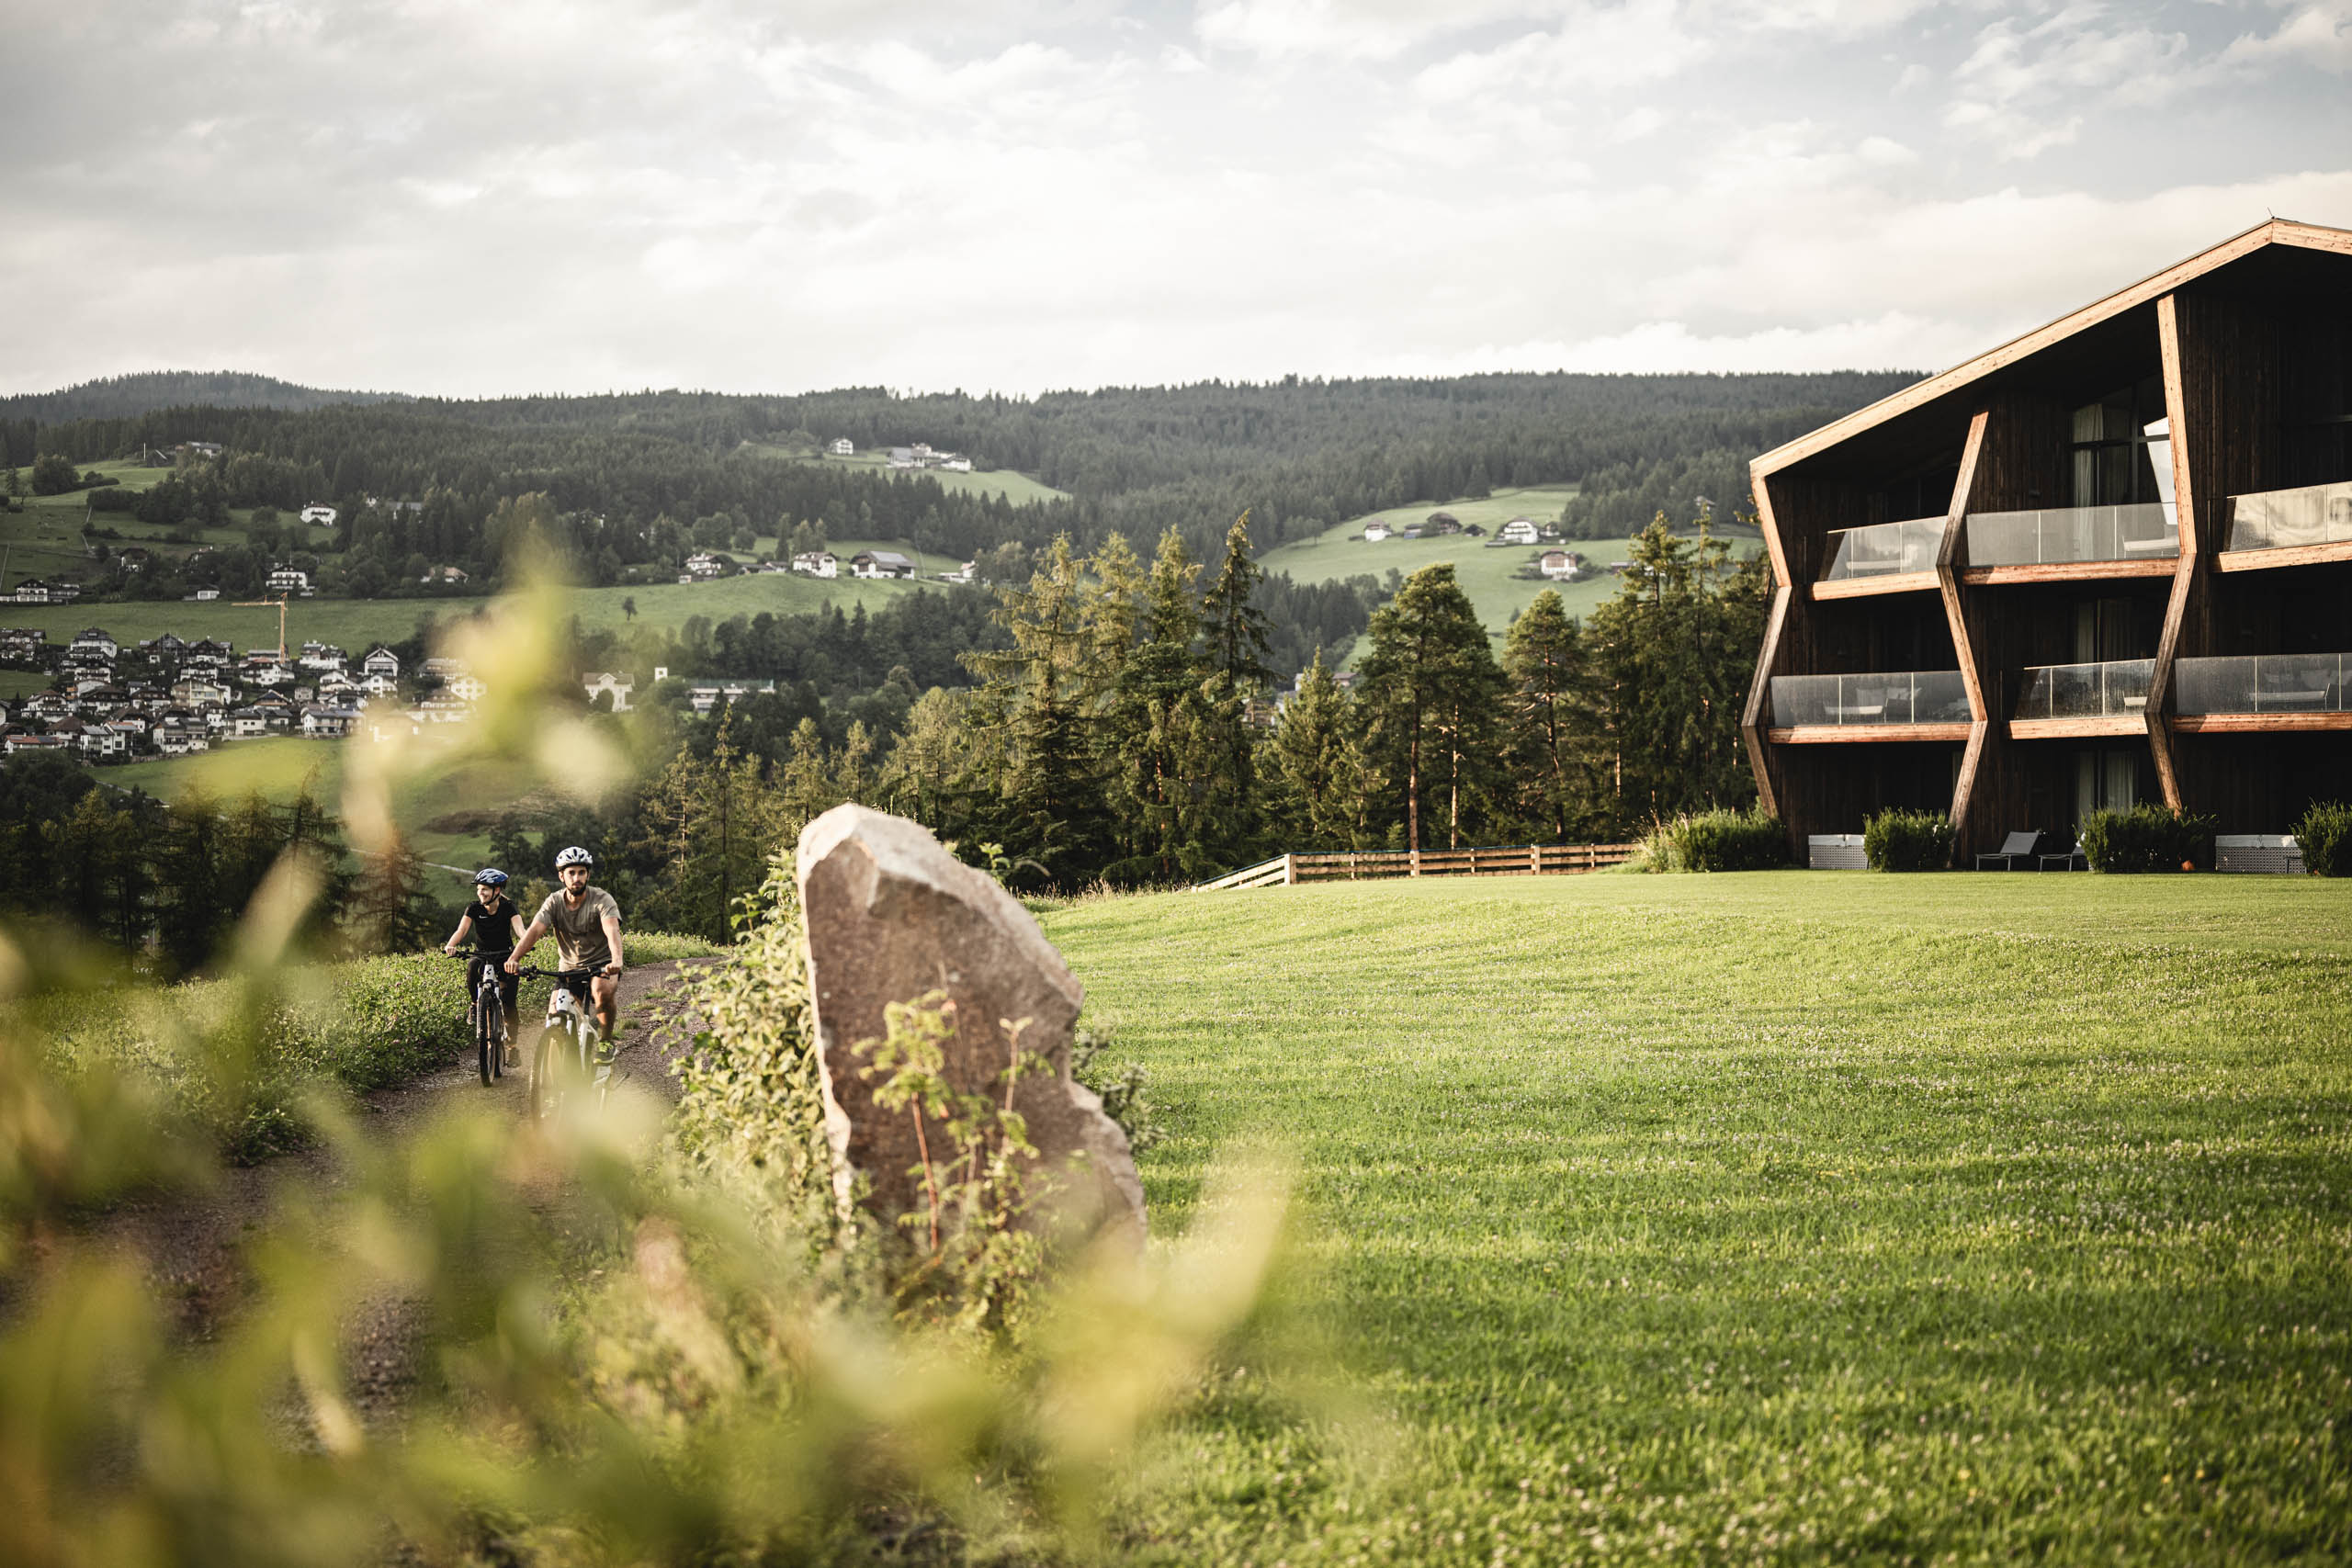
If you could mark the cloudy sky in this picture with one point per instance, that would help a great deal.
(442, 196)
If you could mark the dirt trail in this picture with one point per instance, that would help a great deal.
(192, 1242)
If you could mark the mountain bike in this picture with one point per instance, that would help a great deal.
(486, 1018)
(568, 1058)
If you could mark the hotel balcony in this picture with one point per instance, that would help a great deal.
(1912, 704)
(2268, 690)
(2085, 699)
(2306, 519)
(1883, 558)
(2072, 541)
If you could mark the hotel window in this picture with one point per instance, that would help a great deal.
(2110, 447)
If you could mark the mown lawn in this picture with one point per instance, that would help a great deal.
(1793, 1217)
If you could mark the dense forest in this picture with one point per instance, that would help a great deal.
(1298, 455)
(120, 397)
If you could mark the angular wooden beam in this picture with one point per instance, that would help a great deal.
(2187, 571)
(1948, 568)
(1757, 716)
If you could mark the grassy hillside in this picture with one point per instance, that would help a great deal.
(1792, 1217)
(1019, 489)
(355, 623)
(444, 812)
(1486, 572)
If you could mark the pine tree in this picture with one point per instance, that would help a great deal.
(1152, 731)
(1234, 631)
(1432, 692)
(1547, 715)
(1316, 765)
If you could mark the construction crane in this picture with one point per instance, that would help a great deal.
(279, 604)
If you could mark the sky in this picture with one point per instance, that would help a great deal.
(446, 197)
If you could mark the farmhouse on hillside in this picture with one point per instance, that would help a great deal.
(843, 447)
(1375, 531)
(2107, 563)
(880, 563)
(817, 563)
(1520, 531)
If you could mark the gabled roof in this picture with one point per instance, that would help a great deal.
(2278, 232)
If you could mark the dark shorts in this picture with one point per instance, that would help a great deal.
(508, 985)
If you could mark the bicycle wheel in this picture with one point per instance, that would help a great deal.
(497, 1040)
(484, 1045)
(547, 1062)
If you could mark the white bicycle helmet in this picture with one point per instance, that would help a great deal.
(575, 855)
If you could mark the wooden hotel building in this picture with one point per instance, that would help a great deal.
(2108, 563)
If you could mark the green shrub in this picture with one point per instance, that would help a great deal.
(1900, 840)
(2147, 838)
(1717, 841)
(2325, 834)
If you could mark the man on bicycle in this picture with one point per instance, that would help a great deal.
(494, 922)
(587, 927)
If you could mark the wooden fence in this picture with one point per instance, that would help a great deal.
(1352, 865)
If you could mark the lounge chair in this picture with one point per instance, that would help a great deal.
(2070, 859)
(2018, 846)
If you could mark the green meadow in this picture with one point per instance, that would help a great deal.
(1788, 1217)
(355, 624)
(1016, 488)
(1487, 573)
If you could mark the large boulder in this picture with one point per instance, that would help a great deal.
(891, 916)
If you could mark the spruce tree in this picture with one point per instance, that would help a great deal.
(1315, 764)
(1234, 629)
(1548, 715)
(1153, 732)
(1434, 694)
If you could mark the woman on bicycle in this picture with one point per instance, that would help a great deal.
(496, 925)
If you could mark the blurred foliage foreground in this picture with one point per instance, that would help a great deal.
(628, 1340)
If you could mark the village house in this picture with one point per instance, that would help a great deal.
(316, 513)
(331, 723)
(381, 661)
(208, 654)
(18, 741)
(1560, 566)
(706, 696)
(93, 646)
(1441, 523)
(288, 580)
(178, 734)
(612, 684)
(467, 688)
(167, 648)
(41, 590)
(1520, 531)
(442, 670)
(1375, 531)
(197, 691)
(320, 658)
(961, 574)
(444, 574)
(703, 566)
(880, 563)
(817, 563)
(24, 645)
(201, 596)
(134, 559)
(843, 447)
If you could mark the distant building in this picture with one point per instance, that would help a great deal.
(961, 574)
(1375, 531)
(817, 563)
(288, 580)
(704, 565)
(617, 686)
(314, 513)
(1520, 531)
(1557, 565)
(843, 447)
(880, 563)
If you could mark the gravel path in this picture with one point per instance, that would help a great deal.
(192, 1242)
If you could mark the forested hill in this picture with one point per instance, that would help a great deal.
(125, 397)
(1299, 454)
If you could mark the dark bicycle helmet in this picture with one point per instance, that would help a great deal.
(575, 855)
(490, 876)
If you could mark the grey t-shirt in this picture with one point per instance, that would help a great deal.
(579, 933)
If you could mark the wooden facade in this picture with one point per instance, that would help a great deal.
(2060, 468)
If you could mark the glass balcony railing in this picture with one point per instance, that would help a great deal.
(2086, 690)
(1912, 696)
(2265, 682)
(2279, 519)
(2142, 532)
(1885, 550)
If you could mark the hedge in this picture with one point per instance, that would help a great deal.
(2325, 834)
(1717, 841)
(1898, 840)
(2147, 838)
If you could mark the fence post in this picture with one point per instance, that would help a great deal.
(1290, 873)
(1415, 870)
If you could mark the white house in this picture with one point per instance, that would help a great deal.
(326, 721)
(619, 685)
(1557, 565)
(703, 564)
(467, 688)
(1375, 531)
(880, 563)
(443, 574)
(843, 447)
(319, 657)
(956, 463)
(246, 724)
(381, 661)
(961, 574)
(92, 646)
(706, 696)
(1520, 531)
(315, 512)
(286, 579)
(817, 563)
(19, 742)
(204, 596)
